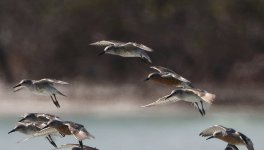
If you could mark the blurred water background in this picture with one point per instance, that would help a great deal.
(145, 131)
(218, 45)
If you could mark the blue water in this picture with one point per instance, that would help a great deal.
(144, 131)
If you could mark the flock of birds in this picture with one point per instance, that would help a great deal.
(48, 126)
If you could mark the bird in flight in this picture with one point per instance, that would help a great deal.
(129, 49)
(42, 87)
(229, 135)
(168, 77)
(198, 97)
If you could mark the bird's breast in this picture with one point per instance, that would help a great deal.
(190, 97)
(232, 140)
(125, 52)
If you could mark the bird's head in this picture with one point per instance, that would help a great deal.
(216, 135)
(19, 127)
(153, 76)
(22, 84)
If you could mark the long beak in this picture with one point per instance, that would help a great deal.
(18, 87)
(210, 137)
(146, 79)
(12, 131)
(169, 96)
(103, 52)
(21, 119)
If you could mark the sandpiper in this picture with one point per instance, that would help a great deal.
(42, 87)
(37, 117)
(129, 49)
(195, 96)
(30, 129)
(229, 135)
(168, 77)
(77, 147)
(66, 128)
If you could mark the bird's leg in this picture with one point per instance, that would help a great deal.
(55, 101)
(202, 107)
(199, 108)
(51, 96)
(81, 144)
(51, 141)
(52, 99)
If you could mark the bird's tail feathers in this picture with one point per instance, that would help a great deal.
(209, 98)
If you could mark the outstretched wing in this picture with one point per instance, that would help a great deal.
(169, 72)
(247, 141)
(46, 132)
(52, 81)
(47, 117)
(162, 69)
(211, 130)
(178, 77)
(106, 43)
(168, 99)
(140, 46)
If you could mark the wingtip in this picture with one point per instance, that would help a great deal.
(148, 105)
(94, 43)
(209, 98)
(66, 83)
